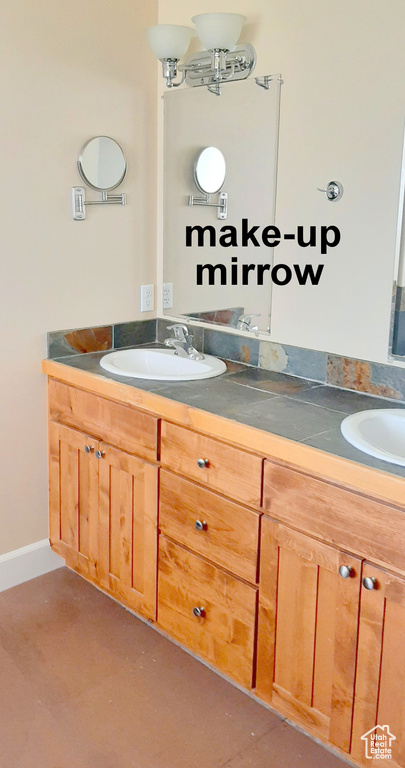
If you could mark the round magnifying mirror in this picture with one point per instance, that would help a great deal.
(209, 171)
(102, 163)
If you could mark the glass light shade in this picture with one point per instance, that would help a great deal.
(219, 30)
(169, 41)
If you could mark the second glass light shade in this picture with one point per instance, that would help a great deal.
(219, 30)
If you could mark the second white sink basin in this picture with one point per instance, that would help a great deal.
(161, 365)
(380, 433)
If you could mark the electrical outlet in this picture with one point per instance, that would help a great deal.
(167, 295)
(147, 298)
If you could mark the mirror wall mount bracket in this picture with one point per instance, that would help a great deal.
(266, 80)
(333, 191)
(79, 201)
(222, 203)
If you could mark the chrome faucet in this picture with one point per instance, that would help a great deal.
(181, 342)
(245, 323)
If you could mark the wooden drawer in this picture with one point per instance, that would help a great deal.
(118, 424)
(335, 515)
(229, 535)
(224, 635)
(229, 470)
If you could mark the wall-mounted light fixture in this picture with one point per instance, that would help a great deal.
(222, 60)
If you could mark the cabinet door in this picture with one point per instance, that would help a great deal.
(380, 679)
(127, 550)
(307, 635)
(73, 497)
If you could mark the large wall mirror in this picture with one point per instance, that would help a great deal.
(242, 125)
(397, 327)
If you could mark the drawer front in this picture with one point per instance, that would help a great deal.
(212, 526)
(224, 633)
(229, 470)
(117, 424)
(338, 516)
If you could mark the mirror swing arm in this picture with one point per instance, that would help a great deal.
(79, 201)
(222, 203)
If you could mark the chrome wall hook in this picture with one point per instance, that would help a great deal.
(333, 191)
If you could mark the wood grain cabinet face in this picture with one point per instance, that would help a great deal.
(380, 679)
(103, 515)
(121, 425)
(347, 519)
(307, 631)
(224, 633)
(231, 471)
(212, 526)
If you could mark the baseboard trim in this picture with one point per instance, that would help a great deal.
(27, 563)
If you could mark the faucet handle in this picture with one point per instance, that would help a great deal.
(180, 331)
(245, 321)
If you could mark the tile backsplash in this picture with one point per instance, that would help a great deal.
(346, 373)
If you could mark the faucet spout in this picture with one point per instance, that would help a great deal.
(181, 342)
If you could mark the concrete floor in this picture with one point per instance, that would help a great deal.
(85, 684)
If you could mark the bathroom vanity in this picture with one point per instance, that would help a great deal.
(280, 565)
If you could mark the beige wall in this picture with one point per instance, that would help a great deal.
(342, 117)
(69, 72)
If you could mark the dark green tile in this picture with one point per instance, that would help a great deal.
(270, 381)
(241, 349)
(131, 334)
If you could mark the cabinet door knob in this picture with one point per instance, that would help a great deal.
(345, 571)
(369, 582)
(199, 612)
(200, 525)
(202, 463)
(89, 448)
(100, 454)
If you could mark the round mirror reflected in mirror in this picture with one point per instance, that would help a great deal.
(209, 171)
(102, 163)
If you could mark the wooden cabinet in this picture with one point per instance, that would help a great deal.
(330, 652)
(103, 513)
(210, 525)
(380, 680)
(218, 466)
(336, 515)
(208, 610)
(307, 631)
(121, 425)
(215, 544)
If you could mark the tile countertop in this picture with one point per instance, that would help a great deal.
(284, 405)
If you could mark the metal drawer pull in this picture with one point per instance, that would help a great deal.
(100, 454)
(369, 582)
(200, 525)
(89, 448)
(199, 613)
(202, 463)
(345, 571)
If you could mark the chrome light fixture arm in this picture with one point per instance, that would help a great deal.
(220, 65)
(170, 70)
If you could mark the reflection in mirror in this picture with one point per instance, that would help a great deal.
(102, 163)
(209, 171)
(243, 126)
(397, 328)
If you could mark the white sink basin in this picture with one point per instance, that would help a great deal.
(161, 364)
(380, 433)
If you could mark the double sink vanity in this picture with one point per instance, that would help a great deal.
(280, 564)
